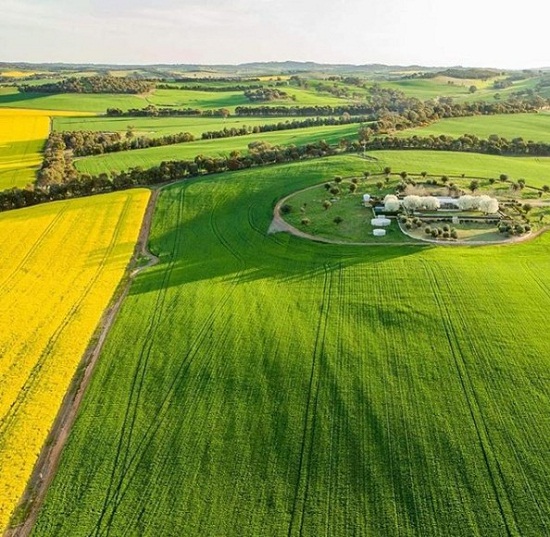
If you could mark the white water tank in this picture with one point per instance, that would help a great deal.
(380, 221)
(378, 232)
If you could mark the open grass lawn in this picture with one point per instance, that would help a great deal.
(261, 384)
(534, 127)
(355, 225)
(60, 264)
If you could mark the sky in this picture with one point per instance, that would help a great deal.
(477, 33)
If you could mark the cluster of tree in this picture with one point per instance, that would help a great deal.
(463, 73)
(503, 83)
(341, 92)
(286, 125)
(265, 94)
(422, 113)
(85, 143)
(153, 111)
(84, 185)
(91, 84)
(543, 83)
(57, 166)
(469, 143)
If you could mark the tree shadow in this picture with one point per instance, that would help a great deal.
(11, 98)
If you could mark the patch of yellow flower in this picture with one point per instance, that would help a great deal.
(23, 134)
(17, 74)
(60, 264)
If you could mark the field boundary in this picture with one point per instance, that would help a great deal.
(48, 461)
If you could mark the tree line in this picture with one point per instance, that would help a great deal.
(62, 181)
(86, 143)
(152, 111)
(286, 125)
(78, 185)
(203, 87)
(469, 143)
(91, 84)
(89, 143)
(265, 94)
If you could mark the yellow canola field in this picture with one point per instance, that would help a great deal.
(23, 134)
(60, 264)
(17, 74)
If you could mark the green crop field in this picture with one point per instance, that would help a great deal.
(534, 127)
(197, 99)
(153, 156)
(78, 102)
(161, 126)
(535, 170)
(176, 98)
(261, 384)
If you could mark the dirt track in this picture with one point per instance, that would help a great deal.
(48, 461)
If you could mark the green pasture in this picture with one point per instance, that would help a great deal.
(535, 170)
(532, 126)
(161, 126)
(78, 102)
(260, 384)
(221, 147)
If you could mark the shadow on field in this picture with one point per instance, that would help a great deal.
(230, 241)
(19, 97)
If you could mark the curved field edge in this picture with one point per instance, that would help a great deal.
(266, 385)
(56, 281)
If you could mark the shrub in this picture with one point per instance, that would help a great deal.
(338, 220)
(428, 230)
(286, 208)
(355, 180)
(454, 234)
(352, 187)
(434, 233)
(335, 191)
(338, 179)
(327, 204)
(328, 186)
(446, 227)
(306, 221)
